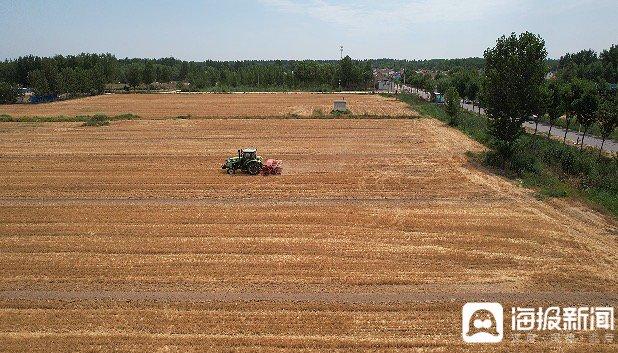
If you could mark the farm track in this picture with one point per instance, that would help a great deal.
(374, 294)
(130, 236)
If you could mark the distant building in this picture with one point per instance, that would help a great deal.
(385, 85)
(384, 79)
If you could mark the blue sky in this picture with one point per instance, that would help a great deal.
(298, 29)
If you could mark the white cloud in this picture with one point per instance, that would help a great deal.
(392, 16)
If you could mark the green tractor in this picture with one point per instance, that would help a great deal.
(247, 160)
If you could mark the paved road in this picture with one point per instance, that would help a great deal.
(573, 136)
(558, 132)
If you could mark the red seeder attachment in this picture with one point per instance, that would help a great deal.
(272, 166)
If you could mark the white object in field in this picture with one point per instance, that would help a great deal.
(340, 106)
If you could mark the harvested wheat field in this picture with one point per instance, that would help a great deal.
(157, 106)
(130, 237)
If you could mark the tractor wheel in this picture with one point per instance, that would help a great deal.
(231, 171)
(254, 168)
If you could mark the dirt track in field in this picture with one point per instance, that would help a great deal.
(417, 294)
(157, 106)
(130, 236)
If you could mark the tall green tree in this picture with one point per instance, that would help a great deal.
(460, 81)
(443, 84)
(415, 80)
(429, 85)
(8, 93)
(346, 72)
(555, 105)
(514, 70)
(542, 102)
(184, 71)
(134, 75)
(585, 105)
(453, 108)
(568, 96)
(38, 82)
(367, 75)
(609, 62)
(584, 64)
(607, 116)
(472, 89)
(149, 74)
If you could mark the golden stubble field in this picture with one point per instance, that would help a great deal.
(129, 237)
(158, 106)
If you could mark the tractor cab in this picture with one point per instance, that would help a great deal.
(247, 161)
(247, 154)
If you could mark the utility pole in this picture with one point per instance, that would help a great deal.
(341, 49)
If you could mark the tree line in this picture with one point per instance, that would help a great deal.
(514, 87)
(87, 74)
(516, 90)
(442, 65)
